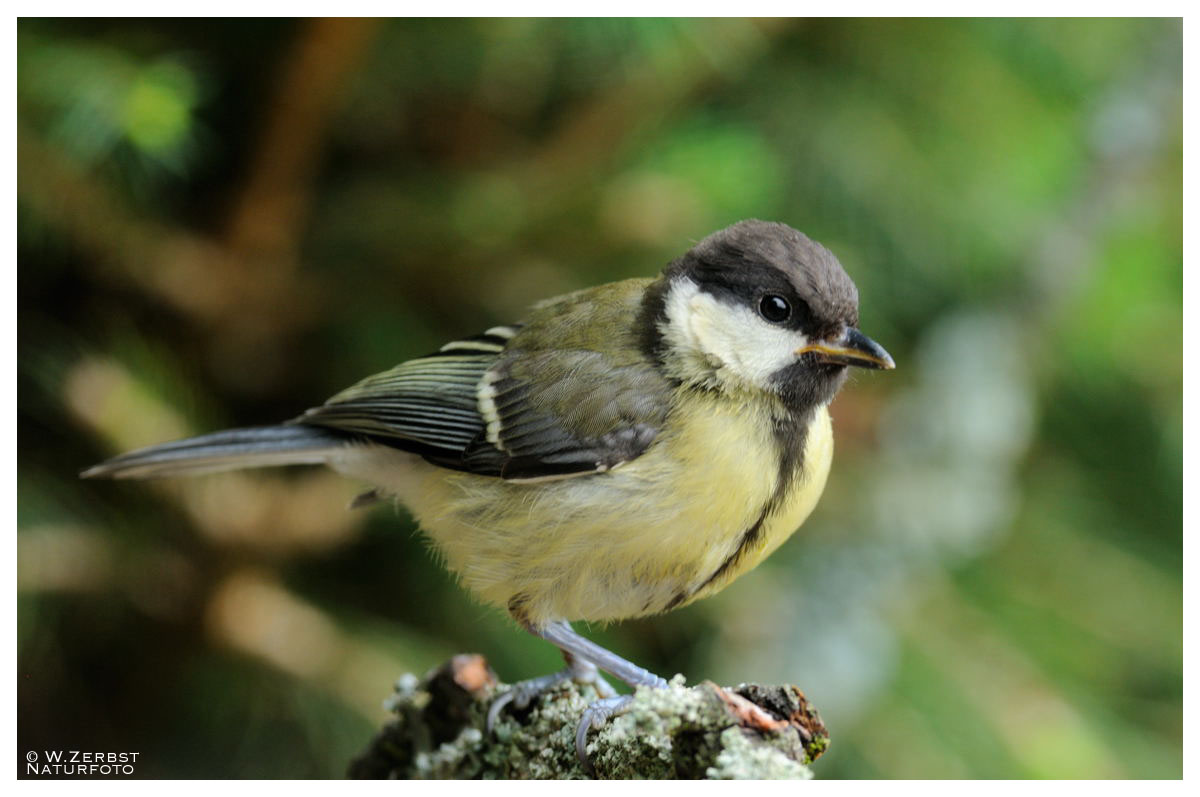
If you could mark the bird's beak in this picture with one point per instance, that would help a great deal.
(853, 348)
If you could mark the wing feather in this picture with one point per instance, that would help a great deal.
(430, 401)
(524, 402)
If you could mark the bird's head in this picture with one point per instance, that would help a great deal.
(759, 306)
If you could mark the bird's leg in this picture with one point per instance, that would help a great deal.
(522, 693)
(569, 641)
(572, 644)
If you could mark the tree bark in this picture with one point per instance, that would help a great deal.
(706, 731)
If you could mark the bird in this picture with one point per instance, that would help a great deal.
(624, 450)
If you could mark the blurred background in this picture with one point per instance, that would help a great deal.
(223, 223)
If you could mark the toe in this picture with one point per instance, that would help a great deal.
(520, 695)
(581, 747)
(497, 706)
(603, 688)
(595, 716)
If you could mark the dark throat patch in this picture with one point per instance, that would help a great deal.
(791, 434)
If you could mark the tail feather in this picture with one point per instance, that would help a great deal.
(231, 449)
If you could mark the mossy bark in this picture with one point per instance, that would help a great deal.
(750, 732)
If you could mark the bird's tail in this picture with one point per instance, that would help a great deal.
(231, 449)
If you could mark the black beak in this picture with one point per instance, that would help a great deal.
(853, 348)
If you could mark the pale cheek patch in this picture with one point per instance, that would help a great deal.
(744, 344)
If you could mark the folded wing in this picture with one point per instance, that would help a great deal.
(514, 405)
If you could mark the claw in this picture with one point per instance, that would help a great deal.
(497, 706)
(594, 717)
(522, 694)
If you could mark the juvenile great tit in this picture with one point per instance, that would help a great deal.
(625, 450)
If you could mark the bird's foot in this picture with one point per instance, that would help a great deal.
(577, 648)
(594, 717)
(524, 692)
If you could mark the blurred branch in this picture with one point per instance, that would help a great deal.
(585, 147)
(268, 214)
(251, 612)
(752, 732)
(153, 256)
(230, 284)
(591, 135)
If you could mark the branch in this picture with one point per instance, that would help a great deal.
(751, 732)
(269, 214)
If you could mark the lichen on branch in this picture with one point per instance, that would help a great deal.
(705, 731)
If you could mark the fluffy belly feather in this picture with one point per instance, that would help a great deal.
(646, 536)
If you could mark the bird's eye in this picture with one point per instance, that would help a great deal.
(774, 308)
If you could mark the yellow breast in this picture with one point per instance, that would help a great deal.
(658, 532)
(789, 509)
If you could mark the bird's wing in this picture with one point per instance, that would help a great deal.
(534, 401)
(428, 405)
(566, 412)
(574, 391)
